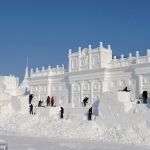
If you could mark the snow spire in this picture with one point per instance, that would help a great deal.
(26, 72)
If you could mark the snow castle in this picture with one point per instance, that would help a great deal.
(91, 72)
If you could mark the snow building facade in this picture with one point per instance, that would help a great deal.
(91, 72)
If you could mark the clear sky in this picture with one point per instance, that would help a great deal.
(45, 30)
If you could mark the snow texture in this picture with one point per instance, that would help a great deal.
(118, 120)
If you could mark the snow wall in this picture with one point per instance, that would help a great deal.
(20, 103)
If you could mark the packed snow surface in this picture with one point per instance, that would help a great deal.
(111, 125)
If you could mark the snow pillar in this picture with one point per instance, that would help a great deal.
(39, 89)
(48, 90)
(90, 63)
(79, 59)
(103, 86)
(72, 89)
(69, 56)
(81, 91)
(148, 55)
(137, 57)
(91, 90)
(140, 83)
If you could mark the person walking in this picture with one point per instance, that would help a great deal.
(52, 101)
(90, 113)
(62, 112)
(48, 101)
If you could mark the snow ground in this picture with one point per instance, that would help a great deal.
(20, 142)
(23, 131)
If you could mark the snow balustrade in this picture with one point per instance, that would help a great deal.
(50, 71)
(122, 62)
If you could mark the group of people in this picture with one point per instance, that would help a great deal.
(40, 104)
(50, 100)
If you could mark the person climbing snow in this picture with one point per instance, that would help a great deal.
(85, 101)
(62, 112)
(90, 114)
(31, 109)
(52, 101)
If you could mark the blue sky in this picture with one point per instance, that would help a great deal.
(44, 30)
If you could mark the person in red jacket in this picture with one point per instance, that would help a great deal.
(52, 101)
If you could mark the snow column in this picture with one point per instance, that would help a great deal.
(39, 89)
(79, 59)
(90, 57)
(48, 92)
(81, 91)
(72, 89)
(103, 85)
(140, 84)
(91, 90)
(69, 56)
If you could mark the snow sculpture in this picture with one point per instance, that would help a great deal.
(3, 94)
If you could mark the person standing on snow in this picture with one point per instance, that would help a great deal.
(144, 97)
(62, 112)
(52, 101)
(30, 98)
(90, 113)
(48, 101)
(31, 109)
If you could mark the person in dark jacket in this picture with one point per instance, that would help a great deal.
(85, 101)
(52, 101)
(40, 103)
(31, 109)
(48, 101)
(126, 90)
(90, 113)
(144, 97)
(30, 98)
(62, 112)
